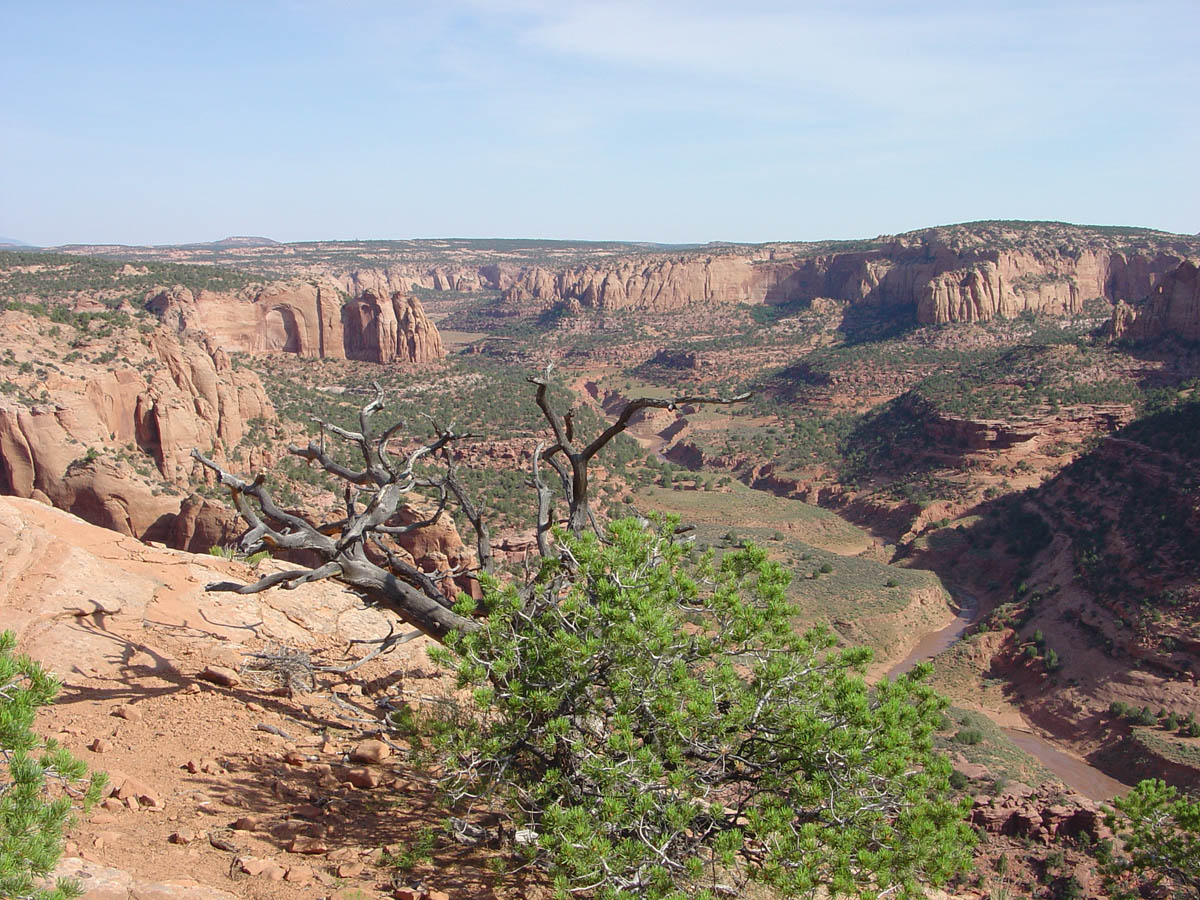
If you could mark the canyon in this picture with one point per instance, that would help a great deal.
(998, 406)
(974, 272)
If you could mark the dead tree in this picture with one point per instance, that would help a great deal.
(374, 492)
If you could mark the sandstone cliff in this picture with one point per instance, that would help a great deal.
(298, 317)
(957, 274)
(660, 284)
(402, 278)
(308, 318)
(389, 330)
(111, 443)
(1172, 309)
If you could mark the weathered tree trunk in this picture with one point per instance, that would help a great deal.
(415, 596)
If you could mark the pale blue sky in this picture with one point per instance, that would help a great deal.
(175, 121)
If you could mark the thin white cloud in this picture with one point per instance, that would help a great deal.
(925, 59)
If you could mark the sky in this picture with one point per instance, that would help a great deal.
(675, 122)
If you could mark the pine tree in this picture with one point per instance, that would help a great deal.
(664, 733)
(40, 782)
(1160, 835)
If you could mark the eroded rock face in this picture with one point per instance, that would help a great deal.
(308, 318)
(301, 317)
(196, 399)
(652, 284)
(390, 330)
(1046, 819)
(1172, 309)
(387, 280)
(944, 275)
(93, 443)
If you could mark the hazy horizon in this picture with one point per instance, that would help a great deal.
(12, 243)
(663, 122)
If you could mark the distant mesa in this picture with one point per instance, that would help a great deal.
(962, 273)
(12, 242)
(242, 240)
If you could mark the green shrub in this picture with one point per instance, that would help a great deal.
(407, 856)
(969, 736)
(655, 734)
(34, 777)
(1160, 838)
(1143, 717)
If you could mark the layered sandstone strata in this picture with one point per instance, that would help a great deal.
(309, 318)
(1172, 309)
(390, 330)
(959, 274)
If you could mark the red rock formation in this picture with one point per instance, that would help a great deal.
(957, 274)
(1172, 309)
(950, 436)
(308, 319)
(387, 280)
(1021, 813)
(298, 317)
(197, 399)
(656, 283)
(387, 331)
(80, 448)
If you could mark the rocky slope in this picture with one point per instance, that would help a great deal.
(1096, 579)
(962, 273)
(1172, 309)
(311, 319)
(228, 778)
(110, 441)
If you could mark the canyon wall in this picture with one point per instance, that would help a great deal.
(1173, 309)
(309, 318)
(402, 278)
(386, 330)
(941, 276)
(84, 449)
(296, 317)
(659, 284)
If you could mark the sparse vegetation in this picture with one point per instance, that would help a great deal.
(40, 783)
(861, 411)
